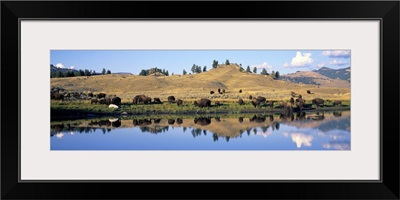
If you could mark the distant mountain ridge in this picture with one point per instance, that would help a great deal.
(342, 74)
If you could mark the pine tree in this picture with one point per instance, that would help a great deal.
(264, 71)
(215, 64)
(248, 69)
(184, 72)
(205, 69)
(193, 69)
(255, 70)
(227, 62)
(104, 71)
(277, 75)
(108, 72)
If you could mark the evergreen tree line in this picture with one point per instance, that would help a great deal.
(196, 69)
(73, 73)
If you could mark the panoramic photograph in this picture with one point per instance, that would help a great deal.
(200, 100)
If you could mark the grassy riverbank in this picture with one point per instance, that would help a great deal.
(82, 109)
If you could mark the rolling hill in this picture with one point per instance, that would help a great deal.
(315, 78)
(192, 86)
(342, 74)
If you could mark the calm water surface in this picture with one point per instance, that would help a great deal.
(305, 131)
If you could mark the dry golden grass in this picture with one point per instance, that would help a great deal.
(195, 86)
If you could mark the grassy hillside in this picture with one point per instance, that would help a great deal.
(308, 77)
(188, 87)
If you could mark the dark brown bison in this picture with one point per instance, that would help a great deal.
(261, 99)
(240, 91)
(337, 114)
(293, 94)
(285, 104)
(337, 102)
(258, 119)
(211, 92)
(101, 95)
(141, 99)
(250, 97)
(300, 105)
(116, 101)
(255, 103)
(57, 96)
(157, 100)
(271, 104)
(217, 103)
(309, 92)
(203, 103)
(179, 102)
(291, 100)
(240, 119)
(240, 101)
(219, 90)
(223, 90)
(108, 101)
(94, 101)
(171, 99)
(171, 121)
(90, 94)
(318, 102)
(102, 101)
(203, 121)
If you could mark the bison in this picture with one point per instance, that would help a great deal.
(171, 121)
(141, 98)
(219, 90)
(309, 92)
(203, 103)
(157, 100)
(116, 101)
(240, 91)
(337, 102)
(171, 99)
(57, 96)
(211, 92)
(179, 102)
(90, 94)
(255, 103)
(101, 95)
(94, 101)
(291, 100)
(240, 101)
(318, 102)
(250, 97)
(261, 99)
(217, 103)
(179, 121)
(285, 104)
(223, 91)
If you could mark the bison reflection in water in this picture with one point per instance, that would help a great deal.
(258, 119)
(116, 123)
(179, 121)
(271, 118)
(300, 115)
(157, 121)
(217, 119)
(337, 114)
(141, 122)
(203, 121)
(240, 119)
(171, 121)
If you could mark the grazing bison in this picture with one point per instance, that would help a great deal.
(157, 100)
(108, 101)
(300, 105)
(250, 97)
(116, 101)
(337, 102)
(57, 96)
(293, 94)
(141, 98)
(219, 90)
(285, 104)
(318, 102)
(101, 95)
(217, 103)
(240, 91)
(203, 103)
(94, 101)
(179, 102)
(309, 92)
(261, 99)
(203, 121)
(102, 101)
(90, 94)
(255, 103)
(211, 92)
(171, 99)
(271, 104)
(291, 100)
(223, 90)
(240, 101)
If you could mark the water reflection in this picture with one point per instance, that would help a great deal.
(292, 131)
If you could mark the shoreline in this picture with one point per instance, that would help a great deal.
(82, 114)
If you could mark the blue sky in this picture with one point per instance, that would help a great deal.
(133, 61)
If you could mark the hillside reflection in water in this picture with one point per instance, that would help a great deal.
(301, 131)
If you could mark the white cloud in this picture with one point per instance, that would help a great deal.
(321, 64)
(339, 63)
(337, 54)
(262, 65)
(72, 67)
(59, 65)
(300, 139)
(300, 60)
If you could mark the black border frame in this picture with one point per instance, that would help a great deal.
(386, 11)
